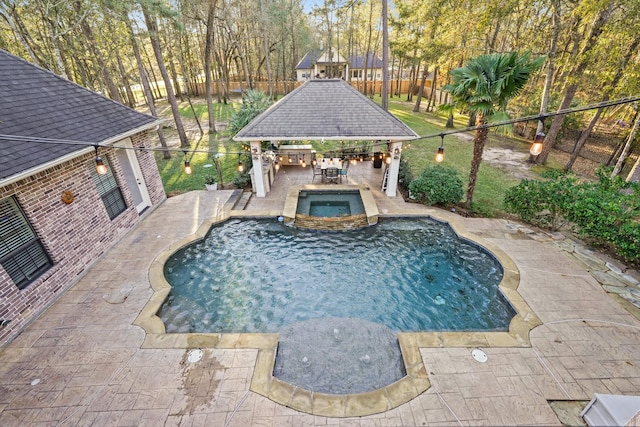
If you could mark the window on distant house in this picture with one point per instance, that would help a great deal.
(21, 254)
(108, 190)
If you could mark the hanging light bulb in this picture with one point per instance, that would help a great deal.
(536, 147)
(387, 160)
(240, 165)
(304, 164)
(187, 164)
(101, 168)
(277, 165)
(440, 153)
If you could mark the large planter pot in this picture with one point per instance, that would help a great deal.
(211, 187)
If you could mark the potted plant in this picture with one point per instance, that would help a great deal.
(210, 182)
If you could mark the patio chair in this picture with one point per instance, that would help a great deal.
(332, 175)
(344, 172)
(317, 170)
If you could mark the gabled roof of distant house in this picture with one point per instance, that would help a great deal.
(357, 61)
(330, 57)
(318, 56)
(36, 103)
(309, 59)
(329, 109)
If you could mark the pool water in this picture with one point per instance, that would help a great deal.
(259, 275)
(330, 203)
(329, 209)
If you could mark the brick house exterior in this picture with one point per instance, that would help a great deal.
(39, 173)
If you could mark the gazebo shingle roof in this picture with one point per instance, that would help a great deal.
(329, 109)
(36, 103)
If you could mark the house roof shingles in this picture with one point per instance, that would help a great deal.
(357, 61)
(36, 103)
(329, 109)
(308, 60)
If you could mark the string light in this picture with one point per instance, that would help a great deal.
(440, 153)
(536, 147)
(187, 164)
(100, 166)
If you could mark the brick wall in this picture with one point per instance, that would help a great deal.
(74, 235)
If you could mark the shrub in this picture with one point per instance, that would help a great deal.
(437, 185)
(242, 180)
(404, 173)
(606, 212)
(542, 203)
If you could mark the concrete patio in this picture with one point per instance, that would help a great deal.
(84, 362)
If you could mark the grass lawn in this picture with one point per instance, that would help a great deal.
(172, 170)
(491, 185)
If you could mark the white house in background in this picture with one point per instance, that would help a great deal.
(318, 64)
(373, 67)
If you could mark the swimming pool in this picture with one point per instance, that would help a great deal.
(409, 274)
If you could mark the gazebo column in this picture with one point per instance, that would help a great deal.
(258, 175)
(395, 151)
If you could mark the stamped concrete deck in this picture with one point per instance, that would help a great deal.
(84, 362)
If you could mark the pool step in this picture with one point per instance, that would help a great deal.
(242, 201)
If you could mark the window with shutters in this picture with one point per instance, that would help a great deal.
(108, 190)
(21, 254)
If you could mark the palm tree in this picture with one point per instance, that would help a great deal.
(484, 86)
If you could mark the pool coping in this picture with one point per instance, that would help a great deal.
(391, 396)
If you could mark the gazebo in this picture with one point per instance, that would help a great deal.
(329, 110)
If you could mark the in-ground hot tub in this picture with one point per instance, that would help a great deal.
(341, 207)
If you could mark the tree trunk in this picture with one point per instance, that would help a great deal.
(155, 44)
(166, 154)
(385, 57)
(8, 12)
(553, 51)
(584, 135)
(208, 55)
(432, 95)
(366, 52)
(631, 50)
(479, 141)
(104, 70)
(627, 148)
(634, 175)
(572, 87)
(423, 80)
(125, 78)
(265, 46)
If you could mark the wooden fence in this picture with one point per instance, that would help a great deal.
(282, 88)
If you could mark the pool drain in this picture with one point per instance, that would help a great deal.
(479, 355)
(195, 355)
